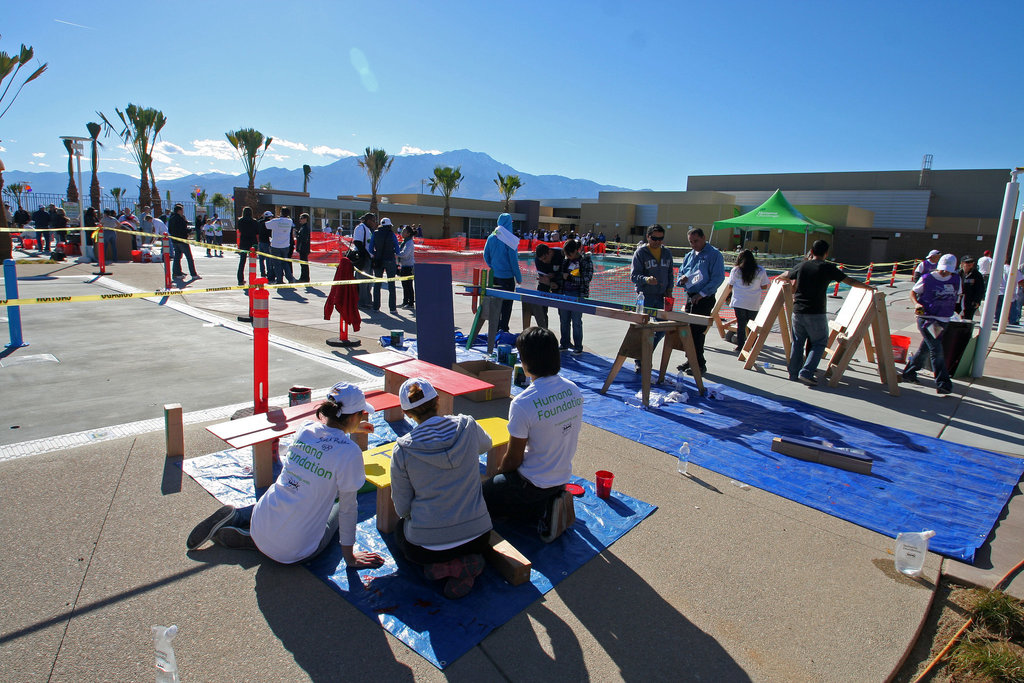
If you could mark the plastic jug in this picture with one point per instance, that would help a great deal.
(911, 548)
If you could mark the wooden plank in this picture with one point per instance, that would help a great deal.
(382, 359)
(883, 346)
(442, 379)
(814, 451)
(497, 429)
(174, 431)
(508, 561)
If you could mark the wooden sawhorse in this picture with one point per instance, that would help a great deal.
(639, 344)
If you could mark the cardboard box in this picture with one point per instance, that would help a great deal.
(814, 451)
(498, 375)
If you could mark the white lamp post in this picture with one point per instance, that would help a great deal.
(77, 146)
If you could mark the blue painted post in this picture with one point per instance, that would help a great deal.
(13, 312)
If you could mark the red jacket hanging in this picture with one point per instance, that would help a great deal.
(344, 298)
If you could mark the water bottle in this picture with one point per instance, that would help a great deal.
(684, 457)
(911, 548)
(640, 302)
(166, 665)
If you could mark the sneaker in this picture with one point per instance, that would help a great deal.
(636, 367)
(562, 508)
(809, 381)
(577, 352)
(233, 537)
(685, 367)
(563, 347)
(944, 390)
(205, 530)
(393, 310)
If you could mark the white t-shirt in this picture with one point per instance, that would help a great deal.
(985, 265)
(549, 415)
(1006, 276)
(280, 232)
(322, 464)
(747, 297)
(362, 234)
(159, 227)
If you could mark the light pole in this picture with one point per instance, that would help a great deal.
(77, 145)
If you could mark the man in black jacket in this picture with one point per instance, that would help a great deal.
(178, 227)
(248, 227)
(972, 284)
(42, 222)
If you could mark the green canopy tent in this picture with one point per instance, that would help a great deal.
(778, 213)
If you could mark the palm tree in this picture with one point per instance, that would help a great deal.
(447, 180)
(15, 190)
(156, 193)
(200, 196)
(376, 162)
(94, 187)
(251, 146)
(10, 66)
(219, 201)
(117, 193)
(139, 129)
(69, 145)
(307, 173)
(508, 185)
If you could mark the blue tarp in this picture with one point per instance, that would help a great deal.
(400, 599)
(917, 482)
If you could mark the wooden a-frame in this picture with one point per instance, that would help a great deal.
(778, 300)
(870, 317)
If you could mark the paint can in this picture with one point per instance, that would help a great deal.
(504, 351)
(299, 395)
(397, 338)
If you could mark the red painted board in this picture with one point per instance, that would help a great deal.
(448, 381)
(382, 359)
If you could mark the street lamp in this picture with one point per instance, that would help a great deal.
(77, 146)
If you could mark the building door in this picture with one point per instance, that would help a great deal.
(879, 249)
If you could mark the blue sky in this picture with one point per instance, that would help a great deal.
(633, 94)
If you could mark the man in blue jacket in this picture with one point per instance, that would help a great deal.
(501, 254)
(702, 272)
(652, 274)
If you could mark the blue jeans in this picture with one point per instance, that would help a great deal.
(390, 268)
(512, 495)
(276, 270)
(931, 344)
(575, 319)
(263, 248)
(812, 326)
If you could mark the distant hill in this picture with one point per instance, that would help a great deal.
(344, 177)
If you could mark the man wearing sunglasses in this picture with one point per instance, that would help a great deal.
(652, 273)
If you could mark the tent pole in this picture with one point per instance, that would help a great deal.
(805, 241)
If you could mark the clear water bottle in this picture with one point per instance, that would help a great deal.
(684, 458)
(640, 302)
(911, 549)
(166, 664)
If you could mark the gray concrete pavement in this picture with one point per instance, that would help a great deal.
(720, 582)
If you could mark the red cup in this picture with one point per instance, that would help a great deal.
(604, 483)
(670, 303)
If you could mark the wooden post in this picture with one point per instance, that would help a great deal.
(174, 430)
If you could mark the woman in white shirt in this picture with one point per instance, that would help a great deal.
(747, 284)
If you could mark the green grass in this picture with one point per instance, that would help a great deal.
(1000, 613)
(996, 659)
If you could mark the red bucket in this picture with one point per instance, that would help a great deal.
(900, 348)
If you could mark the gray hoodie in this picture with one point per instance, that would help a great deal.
(435, 481)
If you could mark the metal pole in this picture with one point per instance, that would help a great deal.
(988, 308)
(1010, 289)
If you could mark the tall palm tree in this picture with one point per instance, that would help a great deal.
(94, 187)
(10, 66)
(69, 145)
(156, 193)
(251, 146)
(307, 173)
(117, 193)
(508, 185)
(220, 202)
(376, 163)
(447, 180)
(139, 128)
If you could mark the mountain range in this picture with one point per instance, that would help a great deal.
(408, 174)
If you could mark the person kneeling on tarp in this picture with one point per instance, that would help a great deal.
(314, 497)
(543, 425)
(435, 485)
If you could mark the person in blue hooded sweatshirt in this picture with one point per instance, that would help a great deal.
(501, 253)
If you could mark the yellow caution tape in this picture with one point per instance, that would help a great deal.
(178, 292)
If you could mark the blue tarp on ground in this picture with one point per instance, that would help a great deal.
(917, 482)
(411, 607)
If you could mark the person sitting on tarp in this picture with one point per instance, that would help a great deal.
(435, 485)
(313, 499)
(501, 254)
(935, 296)
(544, 424)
